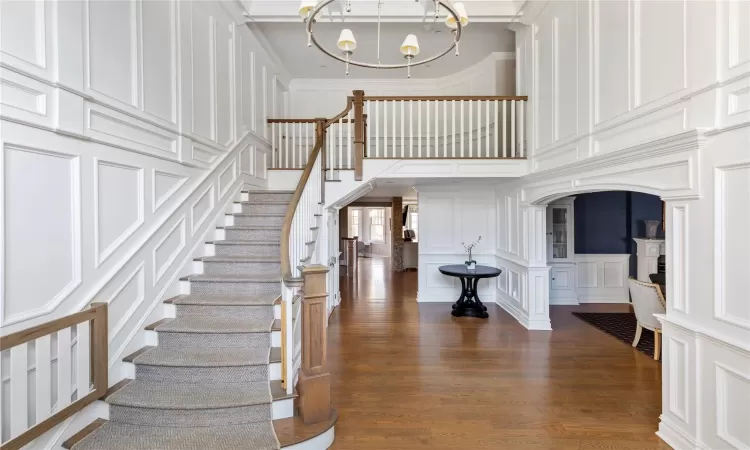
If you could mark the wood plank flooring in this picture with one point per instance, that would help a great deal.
(409, 376)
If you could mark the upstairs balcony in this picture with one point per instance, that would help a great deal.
(406, 137)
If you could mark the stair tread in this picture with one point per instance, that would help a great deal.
(236, 242)
(271, 259)
(226, 300)
(161, 395)
(122, 436)
(216, 325)
(263, 214)
(270, 191)
(250, 227)
(265, 202)
(208, 357)
(269, 277)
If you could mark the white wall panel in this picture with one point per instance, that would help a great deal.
(224, 81)
(168, 249)
(164, 186)
(126, 300)
(159, 36)
(203, 41)
(611, 59)
(42, 226)
(119, 206)
(601, 278)
(24, 37)
(660, 49)
(112, 41)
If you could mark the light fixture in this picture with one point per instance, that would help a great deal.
(347, 44)
(306, 6)
(461, 10)
(456, 20)
(410, 49)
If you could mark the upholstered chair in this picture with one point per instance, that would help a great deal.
(647, 301)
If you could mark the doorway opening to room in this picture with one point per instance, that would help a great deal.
(606, 253)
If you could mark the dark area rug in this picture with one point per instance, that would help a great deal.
(622, 326)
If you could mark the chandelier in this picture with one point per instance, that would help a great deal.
(456, 20)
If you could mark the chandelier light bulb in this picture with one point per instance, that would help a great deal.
(306, 6)
(461, 10)
(347, 43)
(410, 47)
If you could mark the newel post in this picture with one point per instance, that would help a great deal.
(314, 379)
(359, 133)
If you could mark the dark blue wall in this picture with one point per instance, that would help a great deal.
(607, 222)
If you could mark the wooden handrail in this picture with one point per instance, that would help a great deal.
(292, 120)
(286, 227)
(445, 97)
(97, 314)
(349, 103)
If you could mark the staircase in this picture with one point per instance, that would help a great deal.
(213, 380)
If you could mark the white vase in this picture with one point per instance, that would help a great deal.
(471, 265)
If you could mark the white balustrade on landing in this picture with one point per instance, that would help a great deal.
(42, 377)
(292, 143)
(445, 127)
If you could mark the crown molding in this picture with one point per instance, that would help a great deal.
(367, 10)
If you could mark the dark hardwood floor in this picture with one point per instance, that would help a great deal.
(409, 376)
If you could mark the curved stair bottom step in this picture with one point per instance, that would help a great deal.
(290, 434)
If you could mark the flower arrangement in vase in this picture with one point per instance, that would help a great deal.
(471, 264)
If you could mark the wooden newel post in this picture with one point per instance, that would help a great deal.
(359, 133)
(314, 379)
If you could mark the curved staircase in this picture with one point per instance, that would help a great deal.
(213, 380)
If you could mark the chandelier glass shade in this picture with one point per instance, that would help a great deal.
(456, 20)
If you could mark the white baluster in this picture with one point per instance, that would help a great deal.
(280, 149)
(461, 136)
(471, 129)
(411, 129)
(419, 129)
(341, 139)
(273, 143)
(371, 136)
(496, 138)
(428, 104)
(513, 128)
(487, 128)
(505, 130)
(83, 370)
(19, 400)
(521, 123)
(349, 140)
(376, 126)
(64, 375)
(43, 378)
(453, 131)
(385, 131)
(393, 130)
(445, 128)
(290, 152)
(403, 131)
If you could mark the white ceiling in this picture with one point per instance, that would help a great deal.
(289, 41)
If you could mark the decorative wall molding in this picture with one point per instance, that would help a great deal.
(159, 196)
(602, 278)
(132, 304)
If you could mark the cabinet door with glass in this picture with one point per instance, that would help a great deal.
(560, 231)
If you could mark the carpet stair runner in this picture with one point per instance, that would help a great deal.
(207, 383)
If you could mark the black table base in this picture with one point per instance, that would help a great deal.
(469, 304)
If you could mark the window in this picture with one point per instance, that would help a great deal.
(353, 223)
(377, 225)
(413, 223)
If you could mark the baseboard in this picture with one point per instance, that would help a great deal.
(601, 299)
(567, 301)
(675, 438)
(521, 315)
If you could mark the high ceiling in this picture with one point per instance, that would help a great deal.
(289, 41)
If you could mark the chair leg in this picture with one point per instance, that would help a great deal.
(657, 344)
(638, 331)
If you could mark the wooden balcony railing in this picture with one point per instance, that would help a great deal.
(71, 350)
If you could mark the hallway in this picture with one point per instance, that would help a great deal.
(409, 377)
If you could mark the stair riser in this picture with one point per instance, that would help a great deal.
(210, 375)
(249, 221)
(214, 340)
(252, 235)
(269, 197)
(227, 312)
(244, 268)
(248, 250)
(255, 208)
(190, 417)
(232, 288)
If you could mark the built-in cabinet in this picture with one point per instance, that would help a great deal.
(648, 252)
(561, 251)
